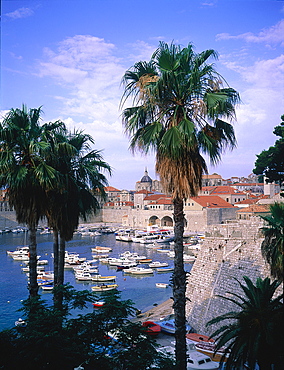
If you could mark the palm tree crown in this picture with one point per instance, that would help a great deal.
(254, 334)
(180, 104)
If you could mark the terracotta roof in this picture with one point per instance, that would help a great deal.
(214, 176)
(212, 201)
(247, 201)
(255, 208)
(110, 188)
(226, 190)
(154, 196)
(143, 191)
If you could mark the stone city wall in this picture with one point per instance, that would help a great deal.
(229, 252)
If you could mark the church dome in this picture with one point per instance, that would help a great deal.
(146, 177)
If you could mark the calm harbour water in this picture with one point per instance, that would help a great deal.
(141, 290)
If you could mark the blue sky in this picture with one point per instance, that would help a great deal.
(68, 56)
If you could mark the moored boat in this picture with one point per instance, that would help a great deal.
(162, 285)
(98, 304)
(156, 264)
(165, 269)
(101, 278)
(151, 328)
(140, 270)
(168, 325)
(104, 287)
(208, 348)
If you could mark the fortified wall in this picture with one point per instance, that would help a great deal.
(229, 252)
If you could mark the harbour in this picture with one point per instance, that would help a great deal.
(142, 289)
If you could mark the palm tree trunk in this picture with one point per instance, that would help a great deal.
(58, 294)
(55, 256)
(61, 258)
(179, 286)
(33, 285)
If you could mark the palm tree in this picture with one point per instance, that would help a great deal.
(272, 247)
(81, 187)
(178, 110)
(254, 334)
(25, 174)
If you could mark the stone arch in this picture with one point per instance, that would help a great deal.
(167, 221)
(154, 220)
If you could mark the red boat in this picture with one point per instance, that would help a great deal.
(151, 328)
(198, 337)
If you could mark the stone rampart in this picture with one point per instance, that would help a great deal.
(229, 252)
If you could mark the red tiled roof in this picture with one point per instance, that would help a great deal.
(226, 190)
(255, 208)
(111, 188)
(248, 201)
(154, 196)
(143, 191)
(212, 201)
(163, 201)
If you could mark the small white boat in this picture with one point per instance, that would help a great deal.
(162, 285)
(99, 249)
(165, 269)
(195, 360)
(156, 264)
(139, 270)
(104, 287)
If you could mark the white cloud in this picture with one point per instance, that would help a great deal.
(272, 35)
(20, 13)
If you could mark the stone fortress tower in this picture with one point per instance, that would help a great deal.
(229, 252)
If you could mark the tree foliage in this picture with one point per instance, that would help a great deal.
(272, 247)
(253, 334)
(270, 162)
(83, 340)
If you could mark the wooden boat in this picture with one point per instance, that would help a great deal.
(145, 260)
(151, 328)
(104, 287)
(165, 269)
(162, 285)
(101, 278)
(195, 337)
(208, 349)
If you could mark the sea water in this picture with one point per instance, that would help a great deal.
(140, 289)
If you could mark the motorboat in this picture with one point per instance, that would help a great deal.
(195, 359)
(140, 270)
(83, 276)
(47, 287)
(167, 325)
(156, 264)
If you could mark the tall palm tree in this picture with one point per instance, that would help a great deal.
(179, 103)
(254, 334)
(81, 188)
(272, 247)
(25, 174)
